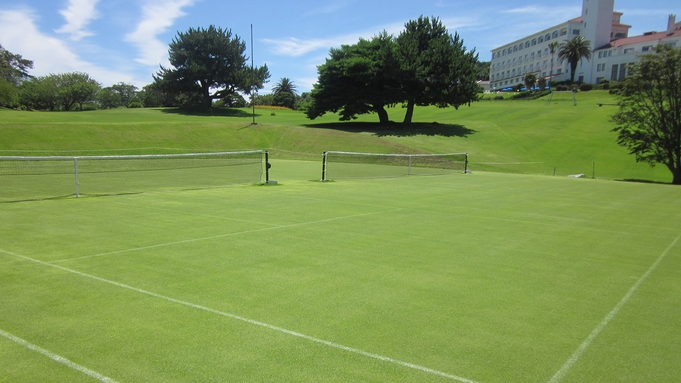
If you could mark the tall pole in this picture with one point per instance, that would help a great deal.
(252, 77)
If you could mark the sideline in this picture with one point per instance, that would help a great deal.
(580, 350)
(57, 358)
(251, 321)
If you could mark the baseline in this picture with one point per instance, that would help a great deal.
(57, 358)
(582, 348)
(251, 321)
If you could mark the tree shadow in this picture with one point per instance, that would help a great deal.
(635, 180)
(212, 112)
(398, 130)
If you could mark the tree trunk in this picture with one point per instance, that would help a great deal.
(382, 115)
(676, 175)
(410, 112)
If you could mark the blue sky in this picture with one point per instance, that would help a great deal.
(126, 40)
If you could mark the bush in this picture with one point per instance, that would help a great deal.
(498, 97)
(562, 88)
(586, 87)
(135, 104)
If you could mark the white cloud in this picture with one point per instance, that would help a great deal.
(157, 17)
(49, 54)
(78, 15)
(550, 14)
(328, 9)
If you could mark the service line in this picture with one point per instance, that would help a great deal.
(222, 236)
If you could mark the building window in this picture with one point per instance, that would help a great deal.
(628, 50)
(538, 54)
(646, 48)
(527, 44)
(541, 39)
(600, 55)
(613, 73)
(600, 68)
(563, 32)
(555, 34)
(547, 37)
(534, 42)
(575, 31)
(515, 48)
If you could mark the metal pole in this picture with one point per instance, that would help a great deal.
(252, 77)
(324, 166)
(75, 172)
(409, 170)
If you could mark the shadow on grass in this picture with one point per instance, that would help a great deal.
(213, 112)
(398, 130)
(645, 181)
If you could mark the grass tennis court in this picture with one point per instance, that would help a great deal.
(478, 278)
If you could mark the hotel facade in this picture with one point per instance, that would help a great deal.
(612, 49)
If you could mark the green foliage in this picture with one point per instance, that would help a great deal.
(285, 93)
(108, 98)
(13, 70)
(208, 64)
(574, 50)
(649, 116)
(357, 79)
(424, 65)
(586, 87)
(530, 81)
(483, 68)
(435, 68)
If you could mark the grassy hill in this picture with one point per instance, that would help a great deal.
(555, 136)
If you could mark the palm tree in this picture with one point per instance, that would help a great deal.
(553, 45)
(574, 50)
(285, 93)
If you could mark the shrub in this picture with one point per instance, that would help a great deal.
(135, 104)
(498, 97)
(586, 87)
(562, 88)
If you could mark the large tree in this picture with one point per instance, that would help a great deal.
(285, 93)
(649, 116)
(357, 79)
(435, 67)
(574, 50)
(209, 64)
(13, 70)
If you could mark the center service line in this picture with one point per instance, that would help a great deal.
(251, 321)
(580, 350)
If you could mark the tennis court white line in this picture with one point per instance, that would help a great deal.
(251, 321)
(57, 358)
(221, 236)
(580, 350)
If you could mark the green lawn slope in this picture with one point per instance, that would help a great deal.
(555, 135)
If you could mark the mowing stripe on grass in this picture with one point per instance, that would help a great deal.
(251, 321)
(57, 358)
(222, 236)
(580, 350)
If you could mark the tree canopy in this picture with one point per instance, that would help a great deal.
(13, 70)
(424, 65)
(574, 50)
(209, 64)
(357, 79)
(649, 116)
(285, 93)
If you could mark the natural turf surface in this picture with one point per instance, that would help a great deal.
(517, 136)
(481, 277)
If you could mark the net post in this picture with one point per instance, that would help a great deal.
(75, 173)
(409, 168)
(465, 163)
(267, 166)
(324, 166)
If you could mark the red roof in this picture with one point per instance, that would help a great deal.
(641, 39)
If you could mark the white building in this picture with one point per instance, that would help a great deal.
(612, 48)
